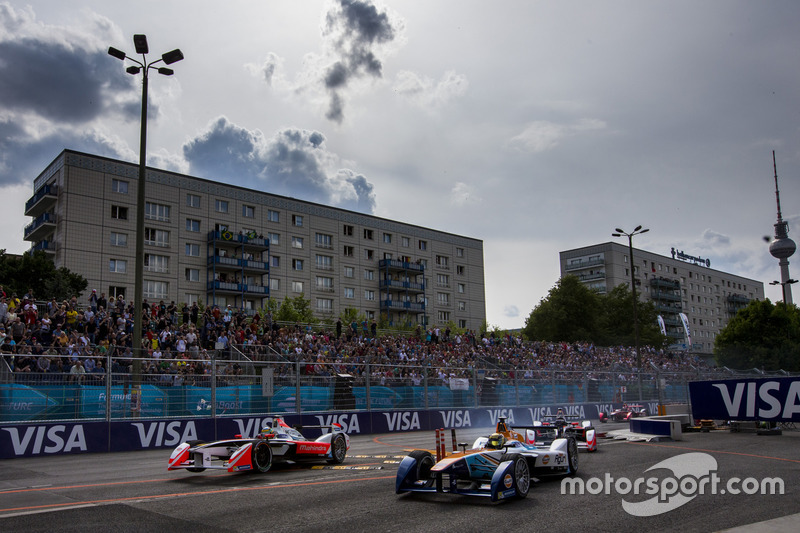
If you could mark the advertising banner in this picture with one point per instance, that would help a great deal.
(768, 399)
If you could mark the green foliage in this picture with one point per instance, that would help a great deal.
(762, 335)
(36, 271)
(350, 315)
(296, 309)
(572, 312)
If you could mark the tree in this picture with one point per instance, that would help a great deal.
(568, 313)
(762, 335)
(296, 309)
(36, 271)
(616, 320)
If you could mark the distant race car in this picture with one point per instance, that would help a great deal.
(583, 431)
(500, 466)
(277, 442)
(623, 414)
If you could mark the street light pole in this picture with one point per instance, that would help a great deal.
(619, 233)
(140, 44)
(783, 285)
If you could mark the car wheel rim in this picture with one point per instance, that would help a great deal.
(522, 476)
(340, 449)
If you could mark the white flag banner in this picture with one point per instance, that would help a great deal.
(459, 384)
(662, 325)
(685, 321)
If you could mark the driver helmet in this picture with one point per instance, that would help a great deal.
(496, 441)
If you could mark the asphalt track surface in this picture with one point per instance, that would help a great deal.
(134, 492)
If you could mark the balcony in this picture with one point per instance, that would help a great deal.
(249, 240)
(233, 263)
(237, 288)
(44, 225)
(394, 264)
(664, 283)
(579, 265)
(402, 286)
(43, 200)
(45, 246)
(663, 295)
(403, 306)
(590, 277)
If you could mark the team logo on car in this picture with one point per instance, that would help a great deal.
(508, 481)
(545, 459)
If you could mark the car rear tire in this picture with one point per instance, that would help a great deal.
(521, 473)
(261, 456)
(338, 449)
(425, 462)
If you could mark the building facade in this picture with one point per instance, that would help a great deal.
(212, 243)
(676, 284)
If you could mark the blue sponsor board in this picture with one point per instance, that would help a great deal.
(767, 399)
(21, 402)
(23, 440)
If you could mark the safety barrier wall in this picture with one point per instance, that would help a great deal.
(41, 439)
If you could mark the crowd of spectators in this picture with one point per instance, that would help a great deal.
(79, 339)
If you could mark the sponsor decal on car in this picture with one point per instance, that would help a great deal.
(508, 481)
(312, 447)
(545, 459)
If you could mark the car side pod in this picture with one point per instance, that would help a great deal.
(179, 456)
(502, 486)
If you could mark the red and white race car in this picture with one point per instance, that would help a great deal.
(557, 427)
(277, 442)
(623, 414)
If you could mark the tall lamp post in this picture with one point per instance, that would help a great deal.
(140, 44)
(783, 285)
(619, 233)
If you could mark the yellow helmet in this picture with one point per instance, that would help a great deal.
(496, 441)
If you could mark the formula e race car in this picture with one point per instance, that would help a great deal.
(277, 442)
(500, 466)
(559, 426)
(623, 414)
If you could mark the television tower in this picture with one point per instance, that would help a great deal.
(782, 247)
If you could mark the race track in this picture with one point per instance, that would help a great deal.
(134, 492)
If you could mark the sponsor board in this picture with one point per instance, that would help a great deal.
(767, 399)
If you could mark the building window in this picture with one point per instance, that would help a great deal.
(192, 225)
(192, 200)
(192, 250)
(387, 256)
(273, 216)
(275, 261)
(157, 290)
(443, 298)
(156, 212)
(368, 234)
(324, 305)
(460, 270)
(324, 262)
(369, 255)
(192, 274)
(274, 284)
(444, 317)
(119, 186)
(423, 245)
(324, 283)
(349, 293)
(221, 206)
(297, 286)
(156, 263)
(462, 288)
(442, 261)
(387, 238)
(347, 230)
(156, 237)
(348, 251)
(120, 266)
(119, 239)
(459, 252)
(369, 274)
(369, 295)
(274, 239)
(248, 211)
(462, 324)
(462, 306)
(323, 240)
(297, 220)
(405, 242)
(349, 272)
(297, 264)
(118, 212)
(442, 280)
(297, 242)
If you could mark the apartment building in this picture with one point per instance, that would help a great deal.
(676, 284)
(215, 243)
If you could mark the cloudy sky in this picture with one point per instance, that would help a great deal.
(536, 126)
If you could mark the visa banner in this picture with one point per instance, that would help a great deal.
(767, 399)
